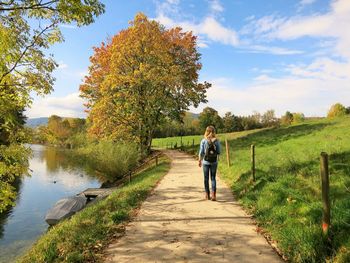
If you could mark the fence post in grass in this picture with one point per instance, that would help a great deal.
(156, 160)
(227, 153)
(326, 218)
(252, 149)
(129, 176)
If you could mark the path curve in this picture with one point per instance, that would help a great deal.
(176, 224)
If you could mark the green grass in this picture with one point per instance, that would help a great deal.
(109, 160)
(83, 237)
(286, 197)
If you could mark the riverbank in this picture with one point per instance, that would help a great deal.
(83, 237)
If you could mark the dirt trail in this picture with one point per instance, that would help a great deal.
(176, 224)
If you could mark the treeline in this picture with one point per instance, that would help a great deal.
(193, 124)
(60, 131)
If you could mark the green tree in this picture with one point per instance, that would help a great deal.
(142, 76)
(210, 116)
(298, 117)
(336, 110)
(347, 110)
(229, 122)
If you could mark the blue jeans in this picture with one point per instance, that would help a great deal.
(210, 169)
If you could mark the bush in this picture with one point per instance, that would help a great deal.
(336, 110)
(112, 159)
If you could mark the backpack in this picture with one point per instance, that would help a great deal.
(211, 154)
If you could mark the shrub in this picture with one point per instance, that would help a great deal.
(336, 110)
(112, 159)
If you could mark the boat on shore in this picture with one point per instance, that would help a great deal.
(65, 208)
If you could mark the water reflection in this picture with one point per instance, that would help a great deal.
(55, 174)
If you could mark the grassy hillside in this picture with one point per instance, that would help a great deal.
(286, 197)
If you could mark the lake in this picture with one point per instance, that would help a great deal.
(54, 175)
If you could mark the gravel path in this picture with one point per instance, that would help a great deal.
(176, 224)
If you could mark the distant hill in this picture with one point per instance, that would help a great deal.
(35, 122)
(194, 115)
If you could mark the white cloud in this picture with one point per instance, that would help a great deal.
(306, 2)
(311, 96)
(322, 69)
(216, 6)
(217, 32)
(271, 50)
(330, 25)
(209, 28)
(62, 65)
(68, 26)
(70, 105)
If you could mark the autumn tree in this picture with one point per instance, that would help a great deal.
(140, 77)
(336, 110)
(27, 29)
(287, 118)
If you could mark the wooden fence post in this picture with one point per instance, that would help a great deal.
(227, 153)
(156, 160)
(326, 218)
(193, 149)
(252, 148)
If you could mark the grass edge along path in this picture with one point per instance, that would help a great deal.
(83, 237)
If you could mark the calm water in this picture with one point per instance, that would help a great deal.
(54, 176)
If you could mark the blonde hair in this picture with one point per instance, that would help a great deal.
(210, 133)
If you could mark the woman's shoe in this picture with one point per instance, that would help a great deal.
(207, 196)
(213, 196)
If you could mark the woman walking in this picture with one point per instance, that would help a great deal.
(208, 159)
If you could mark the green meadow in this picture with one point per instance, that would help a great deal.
(285, 199)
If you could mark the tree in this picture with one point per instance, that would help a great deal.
(142, 76)
(27, 29)
(347, 110)
(23, 63)
(336, 110)
(210, 116)
(269, 119)
(228, 122)
(287, 118)
(298, 117)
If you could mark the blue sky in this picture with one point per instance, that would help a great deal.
(259, 55)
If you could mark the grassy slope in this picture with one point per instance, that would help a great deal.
(82, 238)
(286, 197)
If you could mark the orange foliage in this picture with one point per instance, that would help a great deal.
(142, 75)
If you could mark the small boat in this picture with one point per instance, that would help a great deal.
(65, 208)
